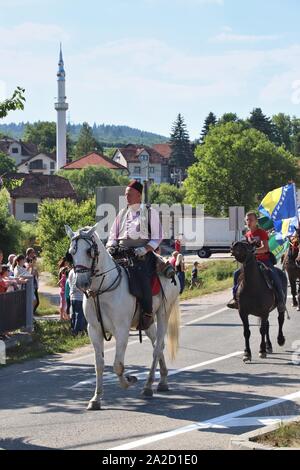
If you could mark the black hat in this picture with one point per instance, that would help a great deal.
(136, 185)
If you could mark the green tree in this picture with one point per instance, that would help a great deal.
(14, 103)
(85, 181)
(296, 136)
(7, 164)
(209, 122)
(237, 166)
(262, 123)
(228, 117)
(283, 129)
(181, 155)
(10, 228)
(86, 142)
(53, 215)
(43, 134)
(166, 194)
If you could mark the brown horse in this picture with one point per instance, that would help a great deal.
(254, 297)
(291, 266)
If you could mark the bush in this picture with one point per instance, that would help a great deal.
(53, 216)
(10, 228)
(29, 236)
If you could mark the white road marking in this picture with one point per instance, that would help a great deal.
(172, 372)
(219, 421)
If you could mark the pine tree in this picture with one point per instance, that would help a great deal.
(181, 156)
(86, 142)
(211, 120)
(264, 124)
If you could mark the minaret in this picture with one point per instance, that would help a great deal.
(61, 107)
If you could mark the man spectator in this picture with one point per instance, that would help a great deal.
(78, 321)
(31, 264)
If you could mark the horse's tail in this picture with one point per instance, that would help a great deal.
(173, 329)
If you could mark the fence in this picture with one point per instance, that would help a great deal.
(16, 309)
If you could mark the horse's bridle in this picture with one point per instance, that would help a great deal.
(93, 252)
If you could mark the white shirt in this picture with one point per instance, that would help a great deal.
(131, 227)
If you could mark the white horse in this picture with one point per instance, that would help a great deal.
(110, 309)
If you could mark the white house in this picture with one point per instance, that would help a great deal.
(41, 163)
(143, 163)
(17, 150)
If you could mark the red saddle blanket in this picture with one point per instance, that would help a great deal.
(155, 284)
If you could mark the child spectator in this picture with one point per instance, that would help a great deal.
(62, 278)
(19, 266)
(172, 260)
(194, 280)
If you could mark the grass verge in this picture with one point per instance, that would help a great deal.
(49, 337)
(285, 436)
(214, 276)
(46, 307)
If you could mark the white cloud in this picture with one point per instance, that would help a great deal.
(31, 33)
(229, 36)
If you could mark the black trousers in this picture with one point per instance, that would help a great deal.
(144, 270)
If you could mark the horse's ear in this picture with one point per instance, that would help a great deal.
(92, 230)
(69, 231)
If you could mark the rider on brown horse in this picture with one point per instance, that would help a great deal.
(261, 239)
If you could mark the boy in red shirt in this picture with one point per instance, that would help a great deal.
(262, 253)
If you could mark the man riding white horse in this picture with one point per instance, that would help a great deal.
(138, 227)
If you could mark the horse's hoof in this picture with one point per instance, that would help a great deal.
(94, 406)
(269, 350)
(163, 388)
(263, 355)
(147, 393)
(131, 379)
(247, 359)
(281, 341)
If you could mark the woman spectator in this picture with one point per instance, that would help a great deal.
(10, 263)
(179, 268)
(172, 260)
(19, 266)
(31, 266)
(78, 321)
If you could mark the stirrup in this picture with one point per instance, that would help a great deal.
(146, 320)
(233, 304)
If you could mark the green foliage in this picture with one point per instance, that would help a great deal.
(53, 216)
(262, 123)
(86, 142)
(14, 103)
(283, 129)
(237, 166)
(43, 134)
(28, 235)
(7, 164)
(228, 117)
(86, 181)
(166, 194)
(209, 122)
(10, 228)
(181, 155)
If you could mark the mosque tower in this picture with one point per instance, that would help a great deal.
(61, 107)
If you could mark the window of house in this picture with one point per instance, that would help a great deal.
(152, 169)
(52, 165)
(137, 170)
(30, 208)
(36, 165)
(15, 150)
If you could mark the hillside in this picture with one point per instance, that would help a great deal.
(106, 134)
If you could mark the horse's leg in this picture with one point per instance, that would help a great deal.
(247, 333)
(281, 338)
(158, 356)
(121, 345)
(269, 344)
(163, 383)
(262, 350)
(293, 290)
(96, 338)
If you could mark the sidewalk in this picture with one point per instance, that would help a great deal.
(52, 293)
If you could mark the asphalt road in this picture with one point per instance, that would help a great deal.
(213, 395)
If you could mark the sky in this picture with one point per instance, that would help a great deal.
(141, 62)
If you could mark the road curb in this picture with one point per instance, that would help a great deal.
(246, 441)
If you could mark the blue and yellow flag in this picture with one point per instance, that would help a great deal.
(285, 228)
(280, 204)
